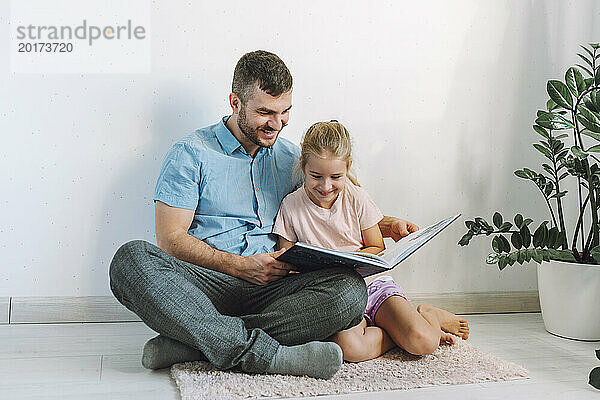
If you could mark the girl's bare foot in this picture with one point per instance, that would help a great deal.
(449, 322)
(447, 339)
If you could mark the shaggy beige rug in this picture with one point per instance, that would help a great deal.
(449, 365)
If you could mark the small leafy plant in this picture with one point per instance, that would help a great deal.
(573, 110)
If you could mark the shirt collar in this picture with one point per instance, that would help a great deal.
(228, 142)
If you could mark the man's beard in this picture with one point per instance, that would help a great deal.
(250, 132)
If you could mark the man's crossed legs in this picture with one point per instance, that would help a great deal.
(200, 312)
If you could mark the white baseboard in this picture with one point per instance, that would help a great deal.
(481, 302)
(41, 310)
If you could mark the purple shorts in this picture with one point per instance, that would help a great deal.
(379, 291)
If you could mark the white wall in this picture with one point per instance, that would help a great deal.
(439, 96)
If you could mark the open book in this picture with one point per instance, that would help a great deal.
(305, 257)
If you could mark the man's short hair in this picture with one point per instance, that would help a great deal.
(263, 69)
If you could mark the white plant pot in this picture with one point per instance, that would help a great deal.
(570, 299)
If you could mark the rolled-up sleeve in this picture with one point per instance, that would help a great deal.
(178, 183)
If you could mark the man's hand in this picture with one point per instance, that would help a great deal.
(396, 228)
(263, 268)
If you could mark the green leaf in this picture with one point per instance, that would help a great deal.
(512, 257)
(562, 154)
(560, 255)
(541, 130)
(537, 256)
(595, 149)
(587, 60)
(543, 150)
(559, 92)
(563, 176)
(527, 221)
(562, 239)
(551, 105)
(525, 236)
(589, 82)
(588, 103)
(545, 255)
(484, 225)
(591, 134)
(521, 174)
(595, 98)
(505, 227)
(598, 354)
(530, 174)
(548, 168)
(590, 125)
(502, 262)
(590, 115)
(465, 239)
(544, 224)
(557, 145)
(595, 253)
(481, 222)
(548, 188)
(492, 258)
(539, 236)
(595, 378)
(587, 51)
(553, 121)
(505, 245)
(521, 256)
(558, 195)
(597, 77)
(577, 152)
(496, 245)
(497, 219)
(518, 220)
(574, 81)
(585, 69)
(553, 236)
(516, 240)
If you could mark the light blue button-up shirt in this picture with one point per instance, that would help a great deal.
(235, 197)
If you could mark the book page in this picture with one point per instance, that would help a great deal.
(409, 244)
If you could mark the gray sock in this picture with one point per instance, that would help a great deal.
(162, 352)
(315, 359)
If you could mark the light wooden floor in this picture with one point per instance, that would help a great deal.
(101, 361)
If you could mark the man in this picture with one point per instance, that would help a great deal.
(213, 288)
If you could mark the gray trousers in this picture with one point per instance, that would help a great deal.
(231, 321)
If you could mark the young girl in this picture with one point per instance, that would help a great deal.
(330, 210)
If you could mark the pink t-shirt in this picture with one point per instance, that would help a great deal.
(338, 228)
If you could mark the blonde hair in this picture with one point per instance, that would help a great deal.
(323, 138)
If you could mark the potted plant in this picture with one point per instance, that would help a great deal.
(569, 139)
